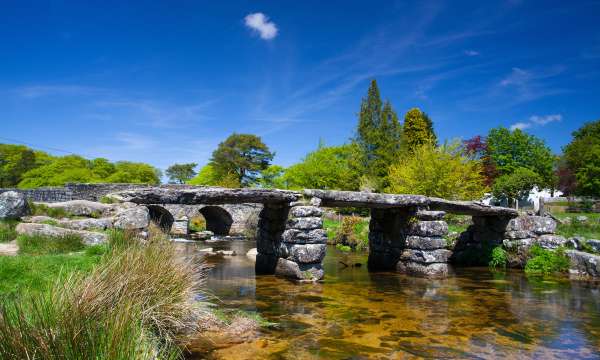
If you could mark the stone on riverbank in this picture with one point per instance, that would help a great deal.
(291, 269)
(134, 218)
(583, 264)
(303, 254)
(81, 207)
(13, 205)
(88, 237)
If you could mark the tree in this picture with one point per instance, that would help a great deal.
(324, 168)
(417, 130)
(181, 173)
(135, 173)
(378, 138)
(272, 178)
(242, 156)
(511, 150)
(515, 185)
(582, 159)
(15, 160)
(477, 148)
(438, 171)
(208, 177)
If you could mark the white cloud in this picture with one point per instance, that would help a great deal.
(260, 23)
(517, 77)
(536, 120)
(471, 52)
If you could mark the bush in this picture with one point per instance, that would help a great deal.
(544, 261)
(499, 258)
(47, 245)
(197, 224)
(353, 232)
(7, 230)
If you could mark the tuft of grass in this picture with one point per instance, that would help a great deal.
(499, 258)
(543, 261)
(342, 247)
(7, 230)
(42, 209)
(48, 245)
(107, 200)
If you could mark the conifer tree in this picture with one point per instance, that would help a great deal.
(418, 129)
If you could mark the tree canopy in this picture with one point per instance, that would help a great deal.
(242, 156)
(417, 129)
(516, 184)
(181, 173)
(582, 158)
(15, 160)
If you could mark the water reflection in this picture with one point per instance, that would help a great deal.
(357, 314)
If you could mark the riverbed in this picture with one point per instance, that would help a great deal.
(356, 314)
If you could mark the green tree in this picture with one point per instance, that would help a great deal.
(135, 173)
(102, 168)
(417, 130)
(272, 178)
(243, 156)
(438, 171)
(15, 160)
(515, 185)
(378, 138)
(205, 177)
(181, 173)
(511, 150)
(324, 168)
(582, 157)
(64, 169)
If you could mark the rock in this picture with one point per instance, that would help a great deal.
(582, 219)
(549, 241)
(294, 236)
(315, 201)
(594, 244)
(13, 205)
(252, 252)
(425, 243)
(430, 215)
(134, 218)
(426, 256)
(180, 226)
(37, 219)
(9, 249)
(306, 211)
(291, 269)
(305, 223)
(575, 242)
(519, 234)
(202, 235)
(304, 254)
(87, 224)
(583, 264)
(428, 228)
(435, 270)
(88, 237)
(536, 224)
(518, 244)
(81, 207)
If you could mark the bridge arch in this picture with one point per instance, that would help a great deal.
(218, 220)
(161, 217)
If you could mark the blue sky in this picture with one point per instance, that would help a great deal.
(166, 82)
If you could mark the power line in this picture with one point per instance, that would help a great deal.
(40, 146)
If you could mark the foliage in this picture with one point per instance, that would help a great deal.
(582, 159)
(499, 258)
(352, 231)
(107, 200)
(418, 130)
(243, 156)
(589, 229)
(206, 177)
(378, 137)
(513, 150)
(181, 173)
(7, 230)
(272, 178)
(477, 148)
(15, 160)
(438, 171)
(324, 168)
(48, 245)
(197, 224)
(343, 248)
(544, 261)
(515, 185)
(331, 228)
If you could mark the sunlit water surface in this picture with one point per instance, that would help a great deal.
(355, 314)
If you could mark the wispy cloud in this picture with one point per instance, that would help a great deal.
(471, 53)
(536, 120)
(38, 91)
(260, 23)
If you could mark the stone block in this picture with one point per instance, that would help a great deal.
(518, 234)
(293, 270)
(303, 254)
(428, 228)
(295, 236)
(549, 241)
(435, 270)
(425, 243)
(426, 256)
(306, 211)
(305, 223)
(430, 215)
(536, 224)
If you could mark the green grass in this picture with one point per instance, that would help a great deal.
(589, 229)
(331, 227)
(344, 248)
(7, 230)
(42, 209)
(545, 262)
(47, 245)
(352, 231)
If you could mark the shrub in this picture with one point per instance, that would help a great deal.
(197, 224)
(344, 248)
(44, 245)
(499, 258)
(353, 231)
(544, 261)
(7, 230)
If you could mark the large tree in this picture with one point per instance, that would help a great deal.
(15, 160)
(582, 157)
(378, 138)
(511, 150)
(417, 130)
(242, 156)
(181, 173)
(515, 185)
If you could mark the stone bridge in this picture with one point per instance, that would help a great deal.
(406, 232)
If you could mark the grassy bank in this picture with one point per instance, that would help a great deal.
(351, 233)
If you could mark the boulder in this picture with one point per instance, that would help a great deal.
(425, 243)
(538, 225)
(295, 236)
(426, 256)
(293, 270)
(305, 223)
(583, 264)
(87, 224)
(13, 205)
(428, 228)
(306, 211)
(430, 215)
(594, 244)
(37, 219)
(576, 242)
(549, 241)
(133, 218)
(9, 249)
(435, 270)
(81, 207)
(88, 237)
(304, 254)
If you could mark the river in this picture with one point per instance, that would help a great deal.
(355, 314)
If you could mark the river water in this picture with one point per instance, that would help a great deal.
(355, 314)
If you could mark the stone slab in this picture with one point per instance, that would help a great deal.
(425, 243)
(426, 256)
(436, 270)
